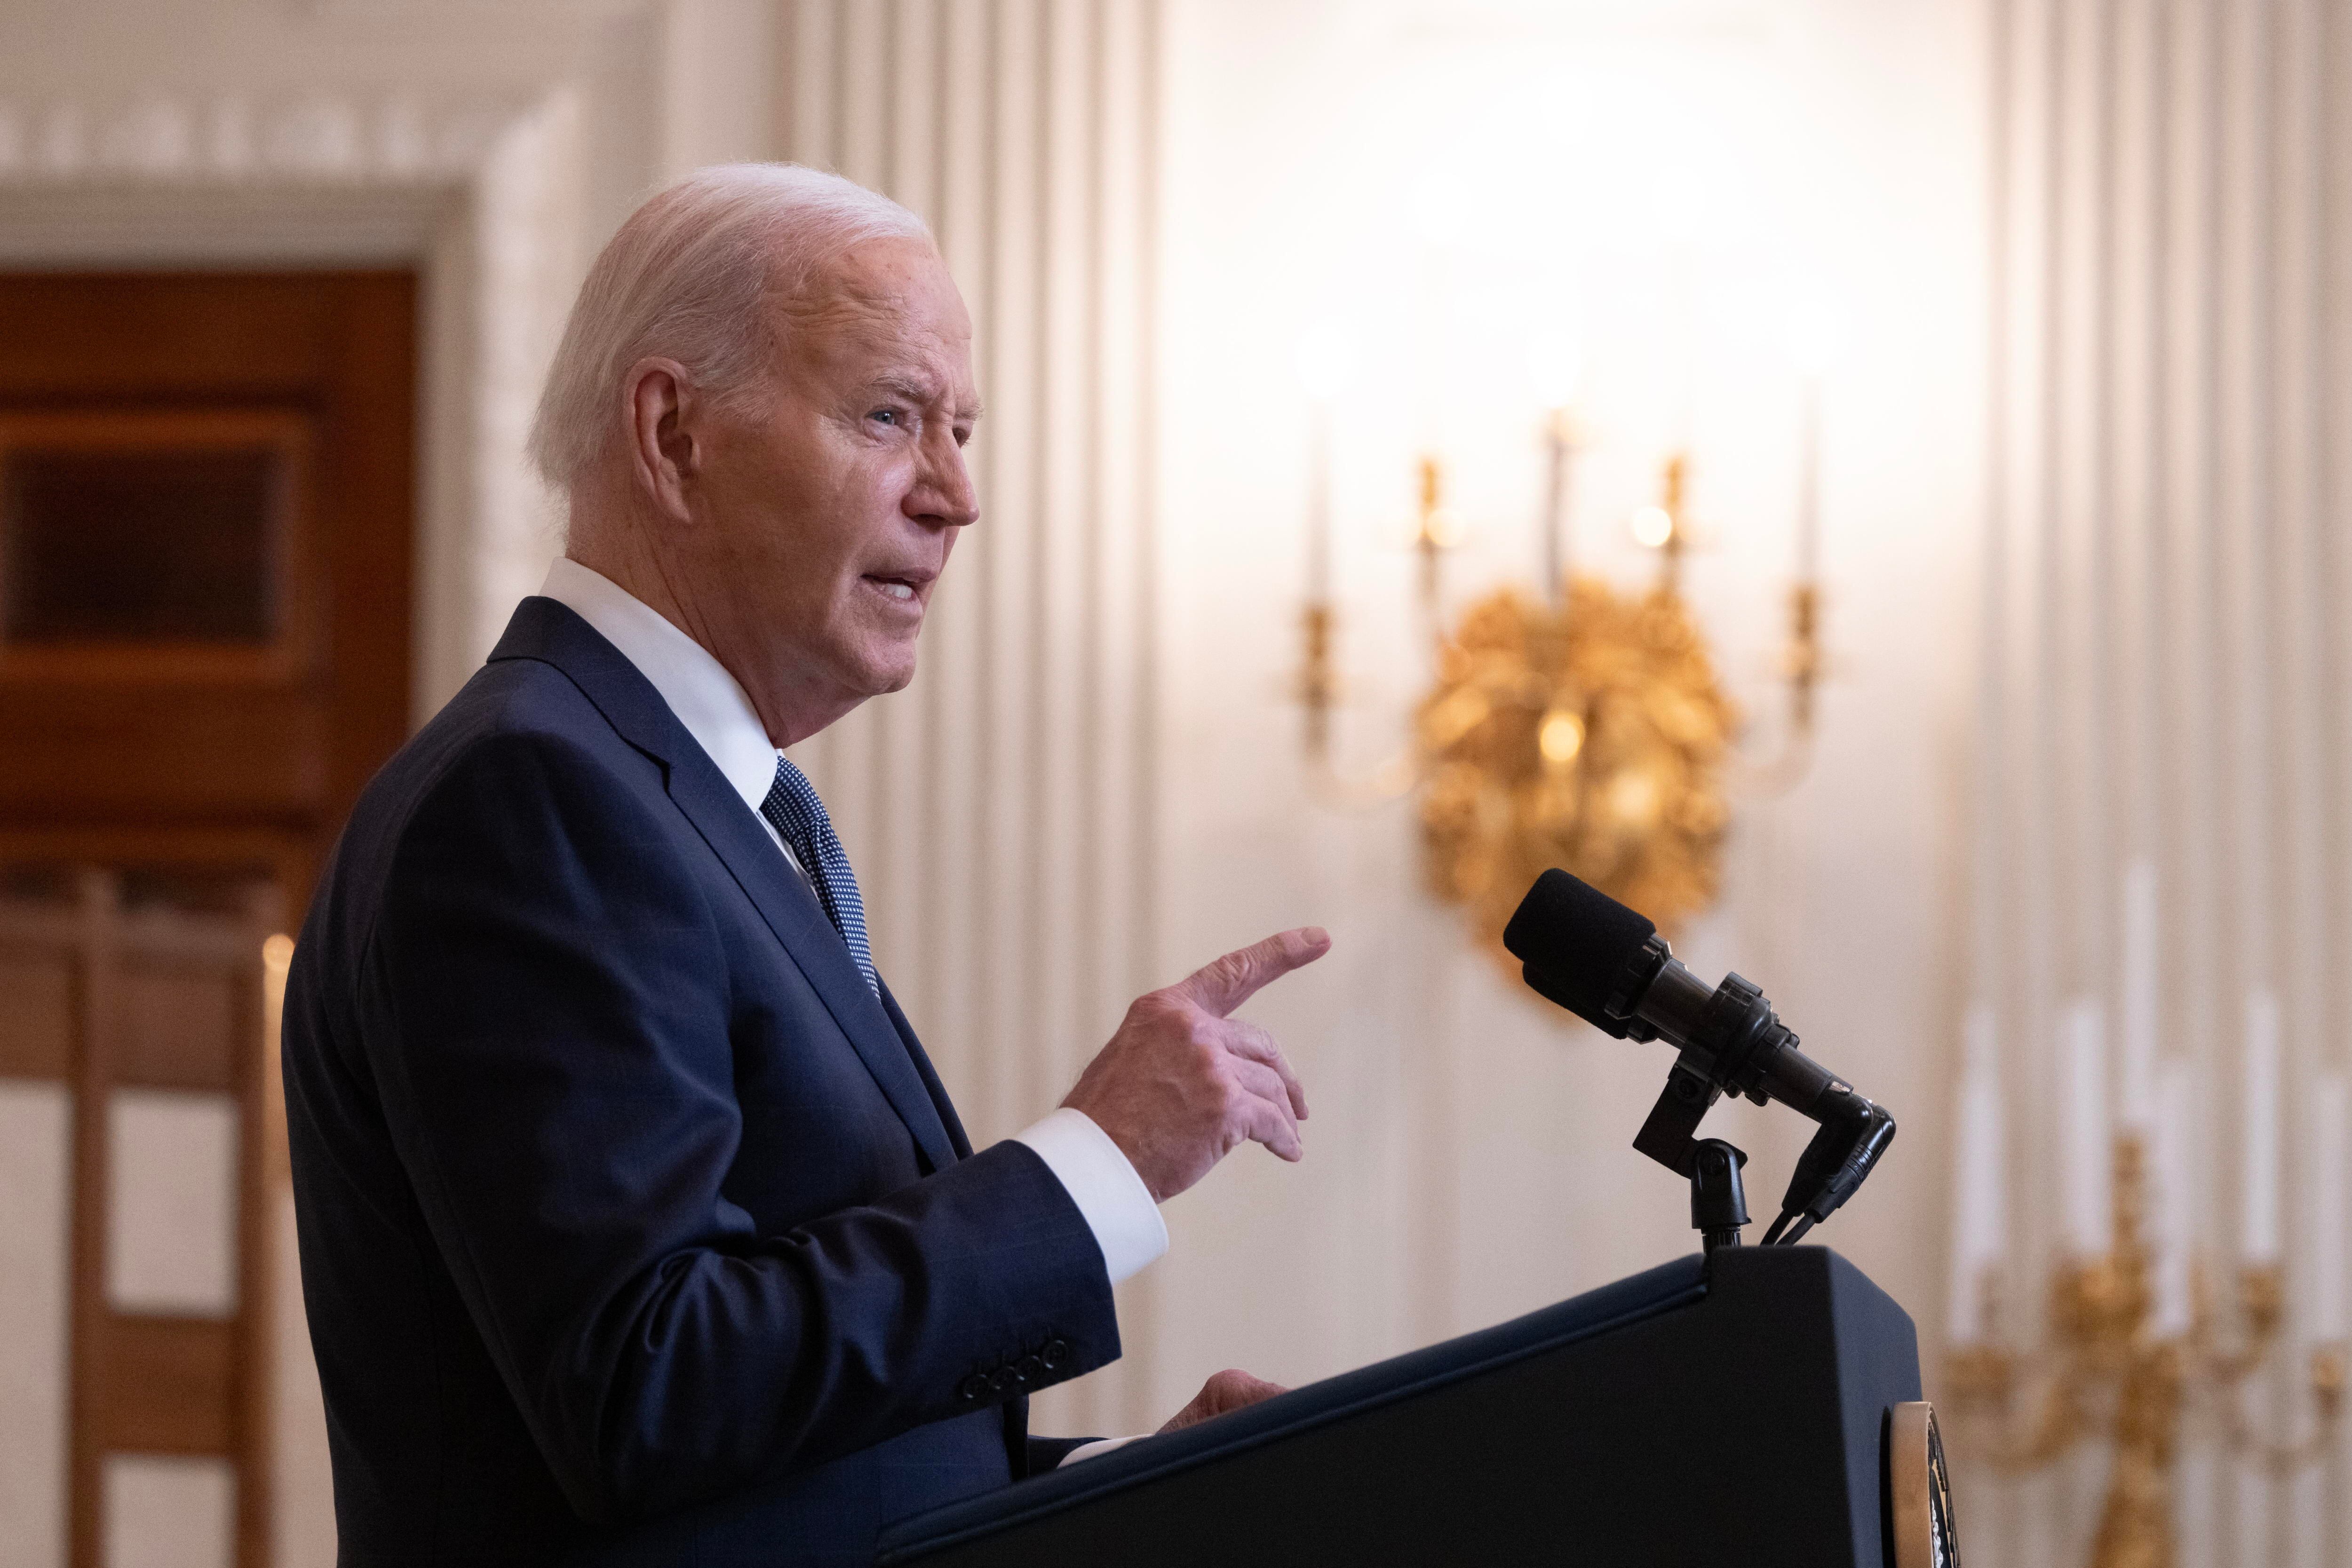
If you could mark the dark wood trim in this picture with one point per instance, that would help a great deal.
(29, 1049)
(366, 489)
(92, 1075)
(289, 857)
(256, 1341)
(185, 1370)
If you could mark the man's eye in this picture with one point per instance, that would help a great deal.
(886, 415)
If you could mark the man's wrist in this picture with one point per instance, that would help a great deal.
(1100, 1179)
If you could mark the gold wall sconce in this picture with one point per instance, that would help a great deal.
(1586, 729)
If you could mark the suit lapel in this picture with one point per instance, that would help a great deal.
(792, 913)
(921, 1059)
(545, 630)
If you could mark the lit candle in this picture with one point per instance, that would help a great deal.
(1816, 333)
(1431, 316)
(1553, 363)
(2173, 1199)
(1555, 524)
(1680, 340)
(2331, 1138)
(2136, 1095)
(1322, 366)
(1980, 1218)
(2258, 1231)
(1318, 504)
(1809, 481)
(2087, 1177)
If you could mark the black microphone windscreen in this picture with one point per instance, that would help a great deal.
(1575, 941)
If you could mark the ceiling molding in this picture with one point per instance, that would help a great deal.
(234, 140)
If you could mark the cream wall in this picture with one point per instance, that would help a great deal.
(1468, 1154)
(2164, 724)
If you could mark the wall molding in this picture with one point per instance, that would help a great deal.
(231, 140)
(482, 198)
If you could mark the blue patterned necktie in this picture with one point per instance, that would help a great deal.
(793, 808)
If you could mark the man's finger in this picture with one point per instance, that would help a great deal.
(1226, 983)
(1268, 1122)
(1247, 1039)
(1228, 1391)
(1234, 1389)
(1267, 1085)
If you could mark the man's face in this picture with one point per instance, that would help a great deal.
(832, 505)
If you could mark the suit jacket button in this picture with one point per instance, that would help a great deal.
(1055, 1354)
(1029, 1369)
(1004, 1380)
(974, 1388)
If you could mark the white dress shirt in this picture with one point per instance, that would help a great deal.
(710, 704)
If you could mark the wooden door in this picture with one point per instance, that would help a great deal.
(206, 502)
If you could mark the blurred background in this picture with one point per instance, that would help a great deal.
(1857, 479)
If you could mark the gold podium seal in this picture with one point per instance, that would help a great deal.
(1921, 1489)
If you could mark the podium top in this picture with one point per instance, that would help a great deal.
(1628, 1300)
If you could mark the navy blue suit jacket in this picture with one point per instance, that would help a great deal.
(635, 1228)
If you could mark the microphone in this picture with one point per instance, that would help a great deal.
(1607, 964)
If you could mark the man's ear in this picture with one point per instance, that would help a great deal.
(664, 452)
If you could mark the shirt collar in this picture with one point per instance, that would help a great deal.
(704, 698)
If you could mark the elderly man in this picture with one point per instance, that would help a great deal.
(635, 1225)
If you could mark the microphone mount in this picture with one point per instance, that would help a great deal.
(1607, 965)
(1737, 1045)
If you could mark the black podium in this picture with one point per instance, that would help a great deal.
(1731, 1411)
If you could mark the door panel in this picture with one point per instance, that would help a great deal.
(170, 1512)
(157, 546)
(171, 1191)
(206, 484)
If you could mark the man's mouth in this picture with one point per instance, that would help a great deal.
(906, 590)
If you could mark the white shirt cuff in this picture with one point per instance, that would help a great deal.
(1100, 1446)
(1118, 1207)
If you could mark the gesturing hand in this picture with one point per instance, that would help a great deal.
(1180, 1084)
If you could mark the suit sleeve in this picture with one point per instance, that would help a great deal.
(548, 1024)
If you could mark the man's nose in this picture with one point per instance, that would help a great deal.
(943, 495)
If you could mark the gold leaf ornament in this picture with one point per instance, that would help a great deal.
(1591, 738)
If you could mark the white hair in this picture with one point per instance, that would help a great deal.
(684, 278)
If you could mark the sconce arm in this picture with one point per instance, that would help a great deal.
(2282, 1460)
